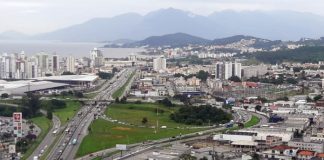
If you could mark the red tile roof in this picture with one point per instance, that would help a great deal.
(306, 153)
(320, 155)
(282, 147)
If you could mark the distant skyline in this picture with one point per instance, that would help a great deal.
(37, 16)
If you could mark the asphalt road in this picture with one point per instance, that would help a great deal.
(49, 139)
(65, 149)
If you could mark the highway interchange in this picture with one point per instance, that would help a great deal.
(76, 129)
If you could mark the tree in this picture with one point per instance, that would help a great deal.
(291, 81)
(49, 114)
(64, 93)
(235, 79)
(318, 97)
(123, 100)
(78, 94)
(144, 120)
(255, 156)
(105, 75)
(166, 102)
(32, 102)
(31, 127)
(31, 137)
(204, 158)
(114, 70)
(245, 107)
(4, 95)
(283, 98)
(202, 75)
(187, 157)
(117, 100)
(67, 73)
(258, 108)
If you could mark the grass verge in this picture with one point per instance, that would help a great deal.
(132, 113)
(45, 125)
(106, 134)
(68, 112)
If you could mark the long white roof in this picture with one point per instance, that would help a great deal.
(87, 78)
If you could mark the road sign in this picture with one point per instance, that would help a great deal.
(12, 148)
(121, 147)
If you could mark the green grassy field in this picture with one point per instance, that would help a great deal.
(106, 134)
(44, 124)
(68, 112)
(119, 92)
(253, 121)
(134, 113)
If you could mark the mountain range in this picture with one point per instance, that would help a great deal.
(283, 25)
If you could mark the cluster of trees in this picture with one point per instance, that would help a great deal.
(235, 79)
(302, 54)
(67, 73)
(123, 100)
(277, 81)
(31, 104)
(78, 94)
(202, 75)
(193, 59)
(166, 102)
(106, 75)
(200, 115)
(4, 95)
(52, 105)
(7, 111)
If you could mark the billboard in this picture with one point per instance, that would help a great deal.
(17, 124)
(121, 147)
(17, 116)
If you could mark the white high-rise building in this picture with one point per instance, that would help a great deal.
(43, 63)
(159, 64)
(237, 69)
(70, 64)
(54, 64)
(96, 58)
(32, 67)
(225, 70)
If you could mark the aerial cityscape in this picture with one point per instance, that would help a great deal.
(162, 80)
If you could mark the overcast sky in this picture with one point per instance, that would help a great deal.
(36, 16)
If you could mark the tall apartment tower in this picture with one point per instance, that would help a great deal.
(96, 58)
(70, 64)
(159, 64)
(225, 70)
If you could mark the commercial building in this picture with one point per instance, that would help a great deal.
(19, 88)
(74, 80)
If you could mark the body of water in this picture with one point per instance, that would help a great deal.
(63, 48)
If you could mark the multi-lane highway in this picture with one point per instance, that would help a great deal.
(49, 139)
(77, 128)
